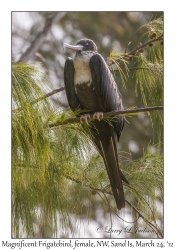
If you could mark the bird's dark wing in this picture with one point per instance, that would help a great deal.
(106, 139)
(106, 89)
(69, 84)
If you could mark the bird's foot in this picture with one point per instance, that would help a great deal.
(84, 117)
(98, 115)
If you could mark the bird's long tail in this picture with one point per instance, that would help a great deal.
(106, 142)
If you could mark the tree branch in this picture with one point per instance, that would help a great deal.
(144, 45)
(108, 114)
(35, 45)
(147, 221)
(42, 98)
(96, 190)
(134, 68)
(132, 52)
(104, 193)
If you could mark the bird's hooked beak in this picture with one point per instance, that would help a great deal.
(72, 47)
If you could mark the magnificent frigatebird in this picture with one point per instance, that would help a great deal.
(90, 86)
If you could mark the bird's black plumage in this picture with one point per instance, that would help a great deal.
(90, 85)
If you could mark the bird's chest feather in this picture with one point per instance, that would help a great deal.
(83, 83)
(82, 70)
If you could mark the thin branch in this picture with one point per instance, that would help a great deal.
(144, 45)
(132, 52)
(128, 69)
(104, 193)
(108, 114)
(110, 209)
(42, 98)
(141, 216)
(139, 42)
(145, 202)
(142, 198)
(96, 190)
(35, 45)
(48, 94)
(133, 36)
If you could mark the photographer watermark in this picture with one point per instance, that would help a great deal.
(127, 229)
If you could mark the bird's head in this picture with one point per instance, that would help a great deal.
(82, 45)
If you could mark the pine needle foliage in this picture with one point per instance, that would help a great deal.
(43, 160)
(147, 59)
(146, 182)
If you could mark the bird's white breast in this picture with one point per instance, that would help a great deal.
(82, 69)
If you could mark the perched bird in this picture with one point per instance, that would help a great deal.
(90, 85)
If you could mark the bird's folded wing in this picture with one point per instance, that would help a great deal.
(69, 72)
(106, 89)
